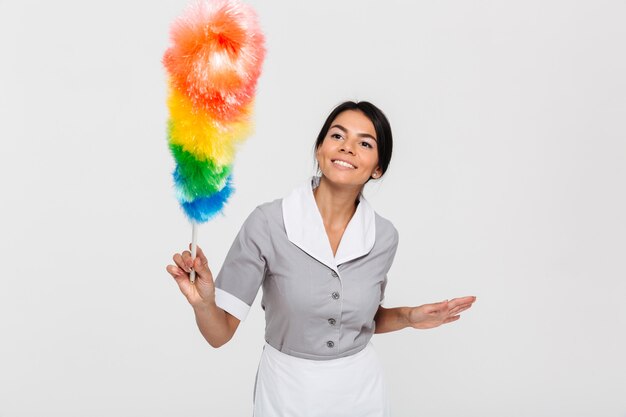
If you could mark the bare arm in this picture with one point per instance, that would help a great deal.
(391, 319)
(425, 316)
(216, 325)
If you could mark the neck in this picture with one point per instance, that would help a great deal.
(336, 204)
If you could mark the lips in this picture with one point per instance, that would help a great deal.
(343, 163)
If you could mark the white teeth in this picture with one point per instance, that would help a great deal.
(343, 164)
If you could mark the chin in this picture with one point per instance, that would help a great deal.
(351, 179)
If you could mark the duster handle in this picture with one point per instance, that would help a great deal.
(194, 242)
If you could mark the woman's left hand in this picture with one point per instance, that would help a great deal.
(428, 316)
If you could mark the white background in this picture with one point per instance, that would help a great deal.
(507, 182)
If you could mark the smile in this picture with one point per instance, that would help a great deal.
(343, 163)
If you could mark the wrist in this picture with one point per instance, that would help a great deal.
(206, 307)
(405, 316)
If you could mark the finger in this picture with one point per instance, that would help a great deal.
(202, 269)
(451, 319)
(456, 310)
(187, 260)
(178, 259)
(462, 300)
(436, 308)
(174, 270)
(181, 278)
(456, 306)
(178, 274)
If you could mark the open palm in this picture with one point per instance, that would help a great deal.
(428, 316)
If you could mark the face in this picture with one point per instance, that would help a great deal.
(349, 153)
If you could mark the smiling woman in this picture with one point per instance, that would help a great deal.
(321, 255)
(365, 126)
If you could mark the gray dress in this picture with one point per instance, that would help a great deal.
(317, 306)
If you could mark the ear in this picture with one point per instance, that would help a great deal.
(377, 172)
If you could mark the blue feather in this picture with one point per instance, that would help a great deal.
(204, 209)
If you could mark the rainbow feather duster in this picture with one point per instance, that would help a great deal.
(213, 66)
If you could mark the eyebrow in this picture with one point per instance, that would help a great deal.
(362, 135)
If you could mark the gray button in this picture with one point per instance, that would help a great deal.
(334, 274)
(330, 343)
(332, 322)
(335, 295)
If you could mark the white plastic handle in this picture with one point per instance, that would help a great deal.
(194, 242)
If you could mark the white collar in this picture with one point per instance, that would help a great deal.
(305, 227)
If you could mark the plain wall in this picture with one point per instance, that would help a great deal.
(508, 182)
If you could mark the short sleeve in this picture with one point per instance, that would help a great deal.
(392, 254)
(244, 268)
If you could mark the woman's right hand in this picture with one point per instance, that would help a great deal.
(216, 325)
(202, 291)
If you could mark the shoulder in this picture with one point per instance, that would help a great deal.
(270, 208)
(263, 215)
(266, 212)
(386, 232)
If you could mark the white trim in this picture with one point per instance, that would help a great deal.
(228, 302)
(360, 234)
(305, 227)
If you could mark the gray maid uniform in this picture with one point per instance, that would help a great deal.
(319, 308)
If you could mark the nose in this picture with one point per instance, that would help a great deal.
(346, 147)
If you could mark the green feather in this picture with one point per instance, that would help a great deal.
(196, 178)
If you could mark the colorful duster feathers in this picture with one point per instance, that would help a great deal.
(213, 66)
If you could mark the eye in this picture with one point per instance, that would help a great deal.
(366, 144)
(336, 136)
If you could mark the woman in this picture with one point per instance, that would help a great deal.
(322, 255)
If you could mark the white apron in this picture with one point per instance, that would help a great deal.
(288, 386)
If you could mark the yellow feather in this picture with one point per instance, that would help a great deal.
(203, 136)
